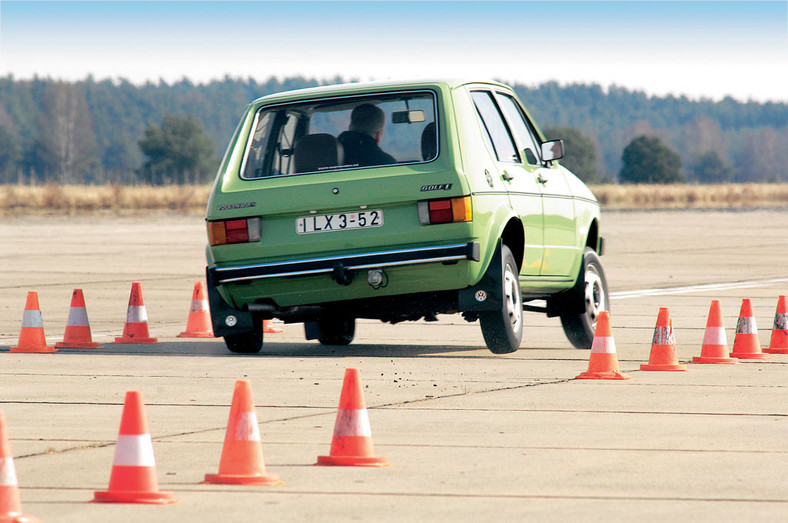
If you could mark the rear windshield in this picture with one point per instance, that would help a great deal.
(342, 133)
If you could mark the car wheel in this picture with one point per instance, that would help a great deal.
(246, 342)
(337, 330)
(592, 292)
(503, 329)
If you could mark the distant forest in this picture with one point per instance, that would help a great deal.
(89, 131)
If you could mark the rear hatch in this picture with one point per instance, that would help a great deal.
(336, 175)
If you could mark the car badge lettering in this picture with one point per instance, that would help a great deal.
(436, 187)
(243, 205)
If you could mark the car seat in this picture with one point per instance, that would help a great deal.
(317, 151)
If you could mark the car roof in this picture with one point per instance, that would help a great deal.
(373, 86)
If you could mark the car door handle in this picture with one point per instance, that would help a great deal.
(541, 180)
(506, 176)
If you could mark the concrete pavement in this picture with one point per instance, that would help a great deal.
(471, 436)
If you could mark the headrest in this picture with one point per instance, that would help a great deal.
(429, 142)
(317, 151)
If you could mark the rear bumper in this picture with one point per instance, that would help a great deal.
(372, 260)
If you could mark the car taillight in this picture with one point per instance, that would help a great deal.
(241, 230)
(446, 211)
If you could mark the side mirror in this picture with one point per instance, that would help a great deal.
(552, 150)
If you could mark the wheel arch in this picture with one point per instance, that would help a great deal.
(513, 235)
(592, 237)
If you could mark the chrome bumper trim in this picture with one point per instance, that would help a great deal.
(373, 260)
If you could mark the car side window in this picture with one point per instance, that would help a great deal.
(502, 142)
(520, 128)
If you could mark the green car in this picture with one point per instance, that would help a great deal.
(399, 201)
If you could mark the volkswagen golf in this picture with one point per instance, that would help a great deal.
(399, 201)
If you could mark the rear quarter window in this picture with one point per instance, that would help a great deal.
(496, 128)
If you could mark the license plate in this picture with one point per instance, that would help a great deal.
(339, 222)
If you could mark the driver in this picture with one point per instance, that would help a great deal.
(361, 140)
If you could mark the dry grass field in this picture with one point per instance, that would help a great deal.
(17, 200)
(692, 196)
(20, 200)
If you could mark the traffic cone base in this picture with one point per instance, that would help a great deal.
(34, 350)
(198, 324)
(603, 361)
(353, 461)
(162, 497)
(268, 480)
(351, 445)
(666, 366)
(31, 336)
(608, 375)
(133, 478)
(77, 345)
(131, 339)
(242, 454)
(188, 334)
(779, 340)
(664, 356)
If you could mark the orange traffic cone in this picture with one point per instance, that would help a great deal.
(198, 325)
(10, 503)
(242, 455)
(77, 335)
(136, 328)
(268, 327)
(664, 355)
(352, 441)
(603, 362)
(746, 345)
(779, 341)
(31, 337)
(133, 478)
(715, 343)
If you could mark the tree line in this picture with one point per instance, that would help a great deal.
(113, 131)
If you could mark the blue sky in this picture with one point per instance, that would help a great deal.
(699, 49)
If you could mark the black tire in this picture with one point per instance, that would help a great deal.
(503, 329)
(246, 342)
(591, 293)
(337, 330)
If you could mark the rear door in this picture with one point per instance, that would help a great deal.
(520, 178)
(559, 243)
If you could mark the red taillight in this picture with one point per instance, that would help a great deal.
(234, 231)
(452, 210)
(237, 231)
(440, 211)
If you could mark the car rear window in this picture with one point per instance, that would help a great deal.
(342, 133)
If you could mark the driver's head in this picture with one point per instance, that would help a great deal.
(368, 119)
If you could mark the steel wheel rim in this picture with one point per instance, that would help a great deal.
(595, 298)
(514, 306)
